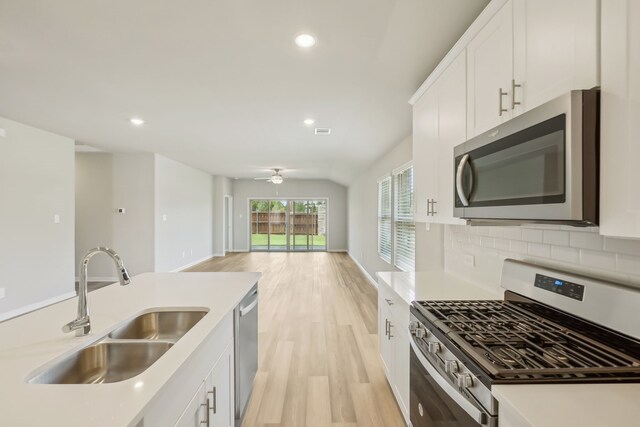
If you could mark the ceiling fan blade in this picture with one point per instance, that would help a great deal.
(259, 179)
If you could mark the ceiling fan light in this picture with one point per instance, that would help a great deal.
(276, 179)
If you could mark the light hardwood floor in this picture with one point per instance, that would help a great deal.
(318, 345)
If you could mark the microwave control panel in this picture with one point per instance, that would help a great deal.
(559, 286)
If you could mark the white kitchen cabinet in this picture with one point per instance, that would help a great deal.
(393, 324)
(212, 404)
(425, 154)
(620, 124)
(196, 412)
(219, 386)
(439, 125)
(556, 49)
(489, 73)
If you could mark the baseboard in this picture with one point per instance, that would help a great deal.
(240, 250)
(35, 306)
(365, 272)
(99, 279)
(337, 250)
(191, 264)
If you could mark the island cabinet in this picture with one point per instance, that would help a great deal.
(620, 119)
(393, 333)
(201, 392)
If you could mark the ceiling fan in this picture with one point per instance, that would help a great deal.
(276, 178)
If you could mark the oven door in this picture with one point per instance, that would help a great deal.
(434, 401)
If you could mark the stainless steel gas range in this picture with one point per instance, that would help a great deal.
(551, 327)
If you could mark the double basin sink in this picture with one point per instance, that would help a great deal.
(125, 352)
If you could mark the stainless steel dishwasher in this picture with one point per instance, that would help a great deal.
(246, 350)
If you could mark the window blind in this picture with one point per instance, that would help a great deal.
(404, 227)
(384, 218)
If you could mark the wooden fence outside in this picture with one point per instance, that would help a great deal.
(303, 223)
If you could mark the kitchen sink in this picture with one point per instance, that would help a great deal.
(125, 352)
(104, 362)
(159, 325)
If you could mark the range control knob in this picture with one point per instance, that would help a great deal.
(465, 381)
(451, 366)
(412, 327)
(433, 347)
(421, 333)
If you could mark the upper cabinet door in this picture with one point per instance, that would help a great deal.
(452, 130)
(556, 49)
(489, 73)
(425, 153)
(620, 124)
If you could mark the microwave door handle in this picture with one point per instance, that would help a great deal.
(459, 172)
(475, 413)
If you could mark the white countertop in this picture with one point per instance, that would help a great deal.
(436, 285)
(530, 405)
(33, 340)
(571, 405)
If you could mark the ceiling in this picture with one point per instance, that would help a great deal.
(220, 83)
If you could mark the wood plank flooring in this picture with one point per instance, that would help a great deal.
(318, 345)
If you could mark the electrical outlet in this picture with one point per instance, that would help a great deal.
(469, 260)
(56, 219)
(3, 133)
(2, 293)
(164, 217)
(191, 250)
(184, 254)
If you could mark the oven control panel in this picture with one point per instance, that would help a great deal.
(559, 286)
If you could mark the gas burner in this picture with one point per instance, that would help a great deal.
(504, 357)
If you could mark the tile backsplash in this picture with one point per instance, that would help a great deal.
(477, 253)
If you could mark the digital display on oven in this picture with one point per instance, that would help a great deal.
(558, 286)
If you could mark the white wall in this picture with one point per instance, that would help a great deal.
(36, 183)
(363, 216)
(186, 196)
(245, 189)
(223, 186)
(575, 249)
(94, 211)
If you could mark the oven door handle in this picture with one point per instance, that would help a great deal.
(474, 412)
(459, 189)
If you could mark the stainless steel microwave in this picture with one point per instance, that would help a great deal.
(539, 167)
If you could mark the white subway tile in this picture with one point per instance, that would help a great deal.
(475, 239)
(502, 244)
(488, 242)
(532, 235)
(564, 254)
(625, 246)
(597, 259)
(556, 237)
(512, 233)
(539, 250)
(585, 240)
(628, 264)
(519, 247)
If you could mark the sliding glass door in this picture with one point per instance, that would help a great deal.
(288, 225)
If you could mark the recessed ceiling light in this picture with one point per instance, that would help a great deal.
(136, 121)
(305, 40)
(309, 121)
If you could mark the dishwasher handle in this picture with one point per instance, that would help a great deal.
(247, 308)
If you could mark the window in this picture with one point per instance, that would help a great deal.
(384, 218)
(404, 227)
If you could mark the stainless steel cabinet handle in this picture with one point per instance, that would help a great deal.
(428, 207)
(248, 308)
(501, 93)
(386, 327)
(390, 336)
(206, 413)
(389, 302)
(433, 207)
(513, 93)
(459, 172)
(214, 407)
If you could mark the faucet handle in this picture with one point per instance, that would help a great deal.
(125, 278)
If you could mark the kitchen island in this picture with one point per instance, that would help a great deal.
(162, 392)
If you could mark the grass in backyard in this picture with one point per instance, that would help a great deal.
(280, 240)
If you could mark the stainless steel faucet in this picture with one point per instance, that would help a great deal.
(82, 324)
